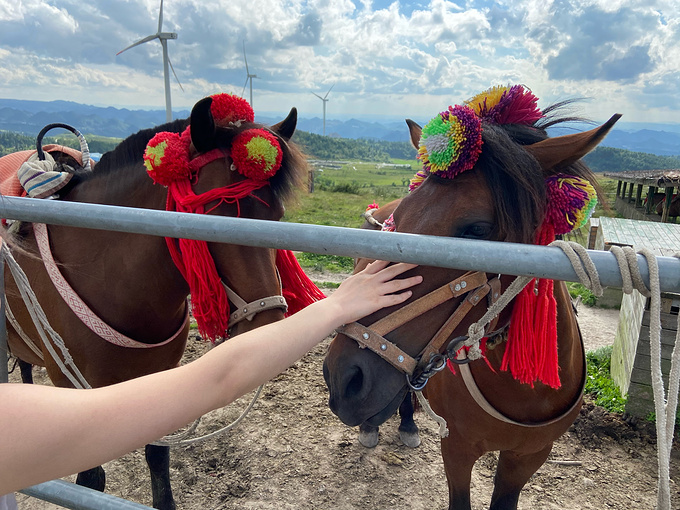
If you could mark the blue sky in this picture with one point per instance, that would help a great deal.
(406, 59)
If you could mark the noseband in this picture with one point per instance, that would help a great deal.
(430, 360)
(247, 311)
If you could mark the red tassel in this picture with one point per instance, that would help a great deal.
(531, 350)
(298, 289)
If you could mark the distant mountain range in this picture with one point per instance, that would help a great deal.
(29, 117)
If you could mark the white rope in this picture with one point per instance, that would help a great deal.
(42, 324)
(28, 341)
(178, 439)
(443, 429)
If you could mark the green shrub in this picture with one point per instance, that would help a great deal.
(587, 297)
(599, 383)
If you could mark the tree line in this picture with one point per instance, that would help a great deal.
(602, 159)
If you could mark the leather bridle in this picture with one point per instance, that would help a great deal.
(431, 359)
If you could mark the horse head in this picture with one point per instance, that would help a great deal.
(499, 193)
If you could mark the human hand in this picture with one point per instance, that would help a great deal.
(373, 288)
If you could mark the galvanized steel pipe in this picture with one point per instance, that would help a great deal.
(466, 254)
(76, 497)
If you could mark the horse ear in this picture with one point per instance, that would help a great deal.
(559, 152)
(203, 126)
(415, 130)
(287, 126)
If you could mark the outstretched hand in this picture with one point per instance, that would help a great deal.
(373, 288)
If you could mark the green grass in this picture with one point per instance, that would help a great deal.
(330, 263)
(599, 383)
(338, 209)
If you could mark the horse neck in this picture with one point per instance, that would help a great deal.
(139, 266)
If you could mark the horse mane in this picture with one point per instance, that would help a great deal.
(130, 151)
(515, 178)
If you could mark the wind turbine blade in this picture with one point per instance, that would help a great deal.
(160, 18)
(245, 58)
(329, 91)
(174, 73)
(244, 86)
(317, 95)
(141, 41)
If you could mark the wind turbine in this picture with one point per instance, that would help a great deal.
(249, 77)
(325, 100)
(163, 38)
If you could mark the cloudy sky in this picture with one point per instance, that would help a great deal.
(382, 57)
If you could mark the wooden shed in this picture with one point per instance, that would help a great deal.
(647, 184)
(631, 359)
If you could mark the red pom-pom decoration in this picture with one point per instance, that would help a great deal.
(226, 108)
(166, 157)
(256, 154)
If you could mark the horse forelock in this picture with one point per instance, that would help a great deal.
(515, 178)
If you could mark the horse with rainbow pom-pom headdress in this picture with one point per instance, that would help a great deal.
(119, 300)
(489, 172)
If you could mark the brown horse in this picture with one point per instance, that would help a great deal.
(502, 198)
(130, 280)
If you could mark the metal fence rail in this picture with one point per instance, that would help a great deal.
(495, 257)
(74, 496)
(467, 254)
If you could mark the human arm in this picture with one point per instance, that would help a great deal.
(49, 432)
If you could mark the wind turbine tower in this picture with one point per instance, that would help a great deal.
(325, 100)
(167, 65)
(249, 77)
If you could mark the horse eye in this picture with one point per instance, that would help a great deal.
(477, 231)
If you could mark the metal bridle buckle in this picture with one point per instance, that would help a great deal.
(434, 366)
(453, 348)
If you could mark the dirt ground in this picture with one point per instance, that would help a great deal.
(291, 452)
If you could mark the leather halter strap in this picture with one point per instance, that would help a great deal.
(482, 402)
(475, 284)
(78, 306)
(247, 311)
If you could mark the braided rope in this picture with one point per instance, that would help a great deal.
(178, 439)
(42, 324)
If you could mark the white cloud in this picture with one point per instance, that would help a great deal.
(621, 53)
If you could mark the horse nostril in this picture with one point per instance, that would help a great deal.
(355, 384)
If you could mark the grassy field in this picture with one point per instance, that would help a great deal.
(342, 194)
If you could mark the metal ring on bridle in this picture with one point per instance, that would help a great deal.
(436, 364)
(452, 350)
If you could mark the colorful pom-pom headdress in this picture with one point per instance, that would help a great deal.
(256, 154)
(451, 144)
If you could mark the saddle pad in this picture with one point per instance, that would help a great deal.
(10, 164)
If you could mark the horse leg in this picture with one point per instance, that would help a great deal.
(512, 473)
(408, 430)
(158, 459)
(26, 372)
(368, 435)
(458, 463)
(94, 478)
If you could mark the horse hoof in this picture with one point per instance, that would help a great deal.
(368, 439)
(410, 439)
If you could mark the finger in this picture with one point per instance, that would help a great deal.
(394, 270)
(395, 299)
(397, 285)
(375, 267)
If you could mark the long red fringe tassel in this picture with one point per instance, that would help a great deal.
(531, 350)
(298, 289)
